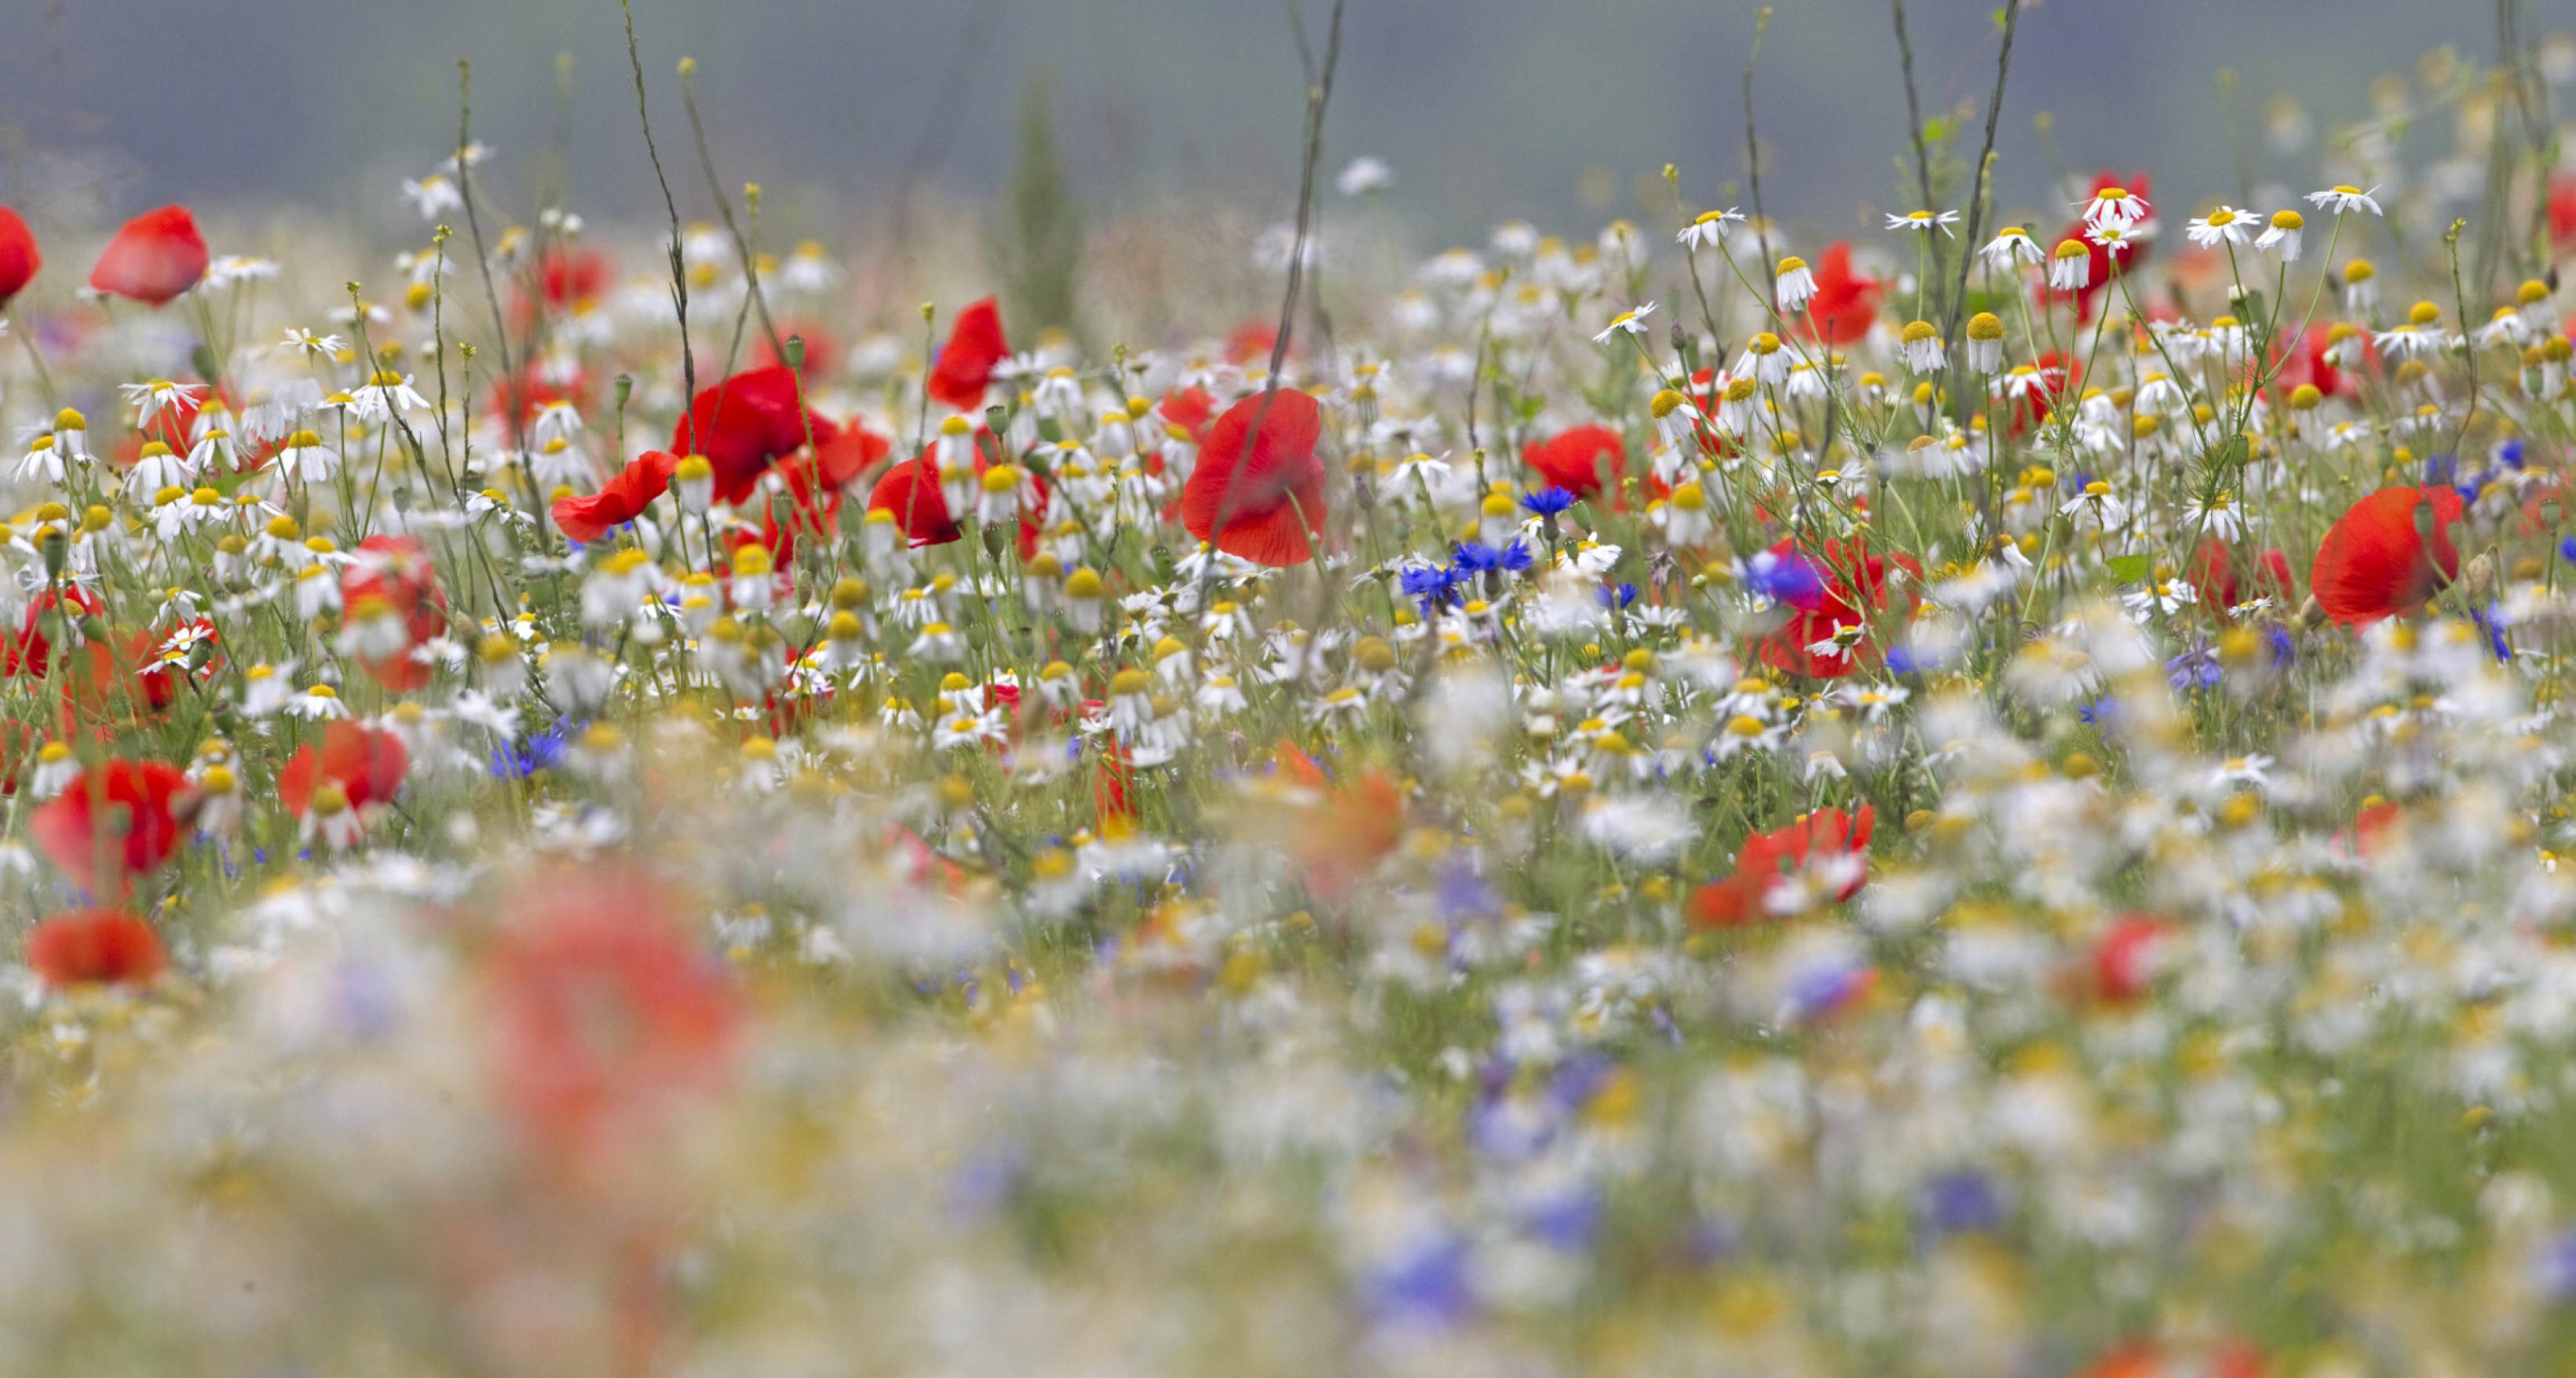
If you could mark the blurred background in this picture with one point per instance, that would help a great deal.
(1484, 110)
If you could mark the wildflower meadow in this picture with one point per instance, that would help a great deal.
(1983, 792)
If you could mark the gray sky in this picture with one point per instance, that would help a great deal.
(1488, 109)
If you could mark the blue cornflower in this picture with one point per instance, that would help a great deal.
(1961, 1202)
(1464, 894)
(2493, 625)
(1566, 1222)
(1616, 596)
(2567, 549)
(1476, 557)
(1783, 578)
(2509, 454)
(521, 759)
(1431, 585)
(1426, 1286)
(1547, 502)
(2196, 668)
(2276, 639)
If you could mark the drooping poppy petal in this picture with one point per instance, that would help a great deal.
(910, 491)
(621, 500)
(1576, 460)
(2375, 563)
(19, 259)
(966, 362)
(95, 947)
(158, 255)
(112, 824)
(1257, 496)
(368, 764)
(743, 425)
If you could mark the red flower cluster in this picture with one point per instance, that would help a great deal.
(1769, 863)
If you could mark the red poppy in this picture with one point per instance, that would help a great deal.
(157, 256)
(823, 352)
(572, 277)
(530, 389)
(744, 424)
(2375, 563)
(966, 362)
(1113, 784)
(1253, 339)
(2146, 1359)
(112, 824)
(397, 570)
(2304, 362)
(2372, 829)
(1826, 604)
(1191, 409)
(18, 257)
(2133, 248)
(30, 649)
(1844, 306)
(2216, 575)
(1827, 838)
(2562, 208)
(621, 500)
(2060, 376)
(1576, 460)
(2124, 958)
(601, 1010)
(366, 763)
(1256, 496)
(910, 491)
(845, 455)
(1343, 837)
(118, 678)
(95, 947)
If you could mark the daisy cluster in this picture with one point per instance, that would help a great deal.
(1985, 797)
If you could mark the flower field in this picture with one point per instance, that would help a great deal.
(1980, 793)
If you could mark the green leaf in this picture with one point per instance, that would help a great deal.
(2129, 569)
